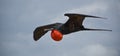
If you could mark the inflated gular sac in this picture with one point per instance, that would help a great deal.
(56, 35)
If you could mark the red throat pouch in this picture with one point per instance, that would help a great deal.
(56, 35)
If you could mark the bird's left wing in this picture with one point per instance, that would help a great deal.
(40, 31)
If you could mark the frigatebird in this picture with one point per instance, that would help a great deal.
(74, 24)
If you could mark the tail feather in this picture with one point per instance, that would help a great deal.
(97, 29)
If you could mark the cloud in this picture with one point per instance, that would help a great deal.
(92, 8)
(98, 50)
(93, 50)
(19, 44)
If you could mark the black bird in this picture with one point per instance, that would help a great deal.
(74, 24)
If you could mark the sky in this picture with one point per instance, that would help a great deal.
(19, 18)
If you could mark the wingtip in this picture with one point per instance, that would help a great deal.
(102, 17)
(34, 38)
(69, 14)
(109, 30)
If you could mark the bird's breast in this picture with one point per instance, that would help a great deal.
(56, 35)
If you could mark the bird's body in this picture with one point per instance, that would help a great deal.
(75, 23)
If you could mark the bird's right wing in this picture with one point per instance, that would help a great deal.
(40, 31)
(77, 19)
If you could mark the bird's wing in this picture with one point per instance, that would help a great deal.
(40, 31)
(77, 19)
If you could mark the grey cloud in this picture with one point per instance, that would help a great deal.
(98, 50)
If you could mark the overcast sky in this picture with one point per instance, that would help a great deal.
(19, 18)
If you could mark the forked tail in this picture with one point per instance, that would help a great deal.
(96, 29)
